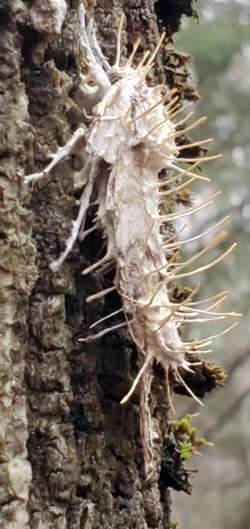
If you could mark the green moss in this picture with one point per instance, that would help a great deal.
(187, 438)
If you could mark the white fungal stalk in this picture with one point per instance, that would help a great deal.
(132, 130)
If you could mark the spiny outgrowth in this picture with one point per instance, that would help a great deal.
(134, 132)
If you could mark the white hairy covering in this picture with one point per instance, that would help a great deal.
(131, 129)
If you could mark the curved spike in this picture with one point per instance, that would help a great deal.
(137, 380)
(196, 237)
(189, 211)
(102, 333)
(175, 189)
(100, 294)
(119, 38)
(150, 61)
(101, 320)
(135, 48)
(194, 144)
(144, 57)
(148, 110)
(187, 117)
(188, 389)
(209, 265)
(210, 246)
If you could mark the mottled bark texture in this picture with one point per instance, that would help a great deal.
(70, 454)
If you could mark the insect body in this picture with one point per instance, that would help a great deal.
(132, 130)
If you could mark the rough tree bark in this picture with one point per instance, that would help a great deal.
(70, 455)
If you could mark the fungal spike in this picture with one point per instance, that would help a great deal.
(150, 61)
(176, 306)
(144, 138)
(208, 311)
(147, 239)
(183, 172)
(209, 265)
(144, 57)
(168, 390)
(101, 320)
(135, 48)
(166, 319)
(189, 311)
(195, 345)
(175, 189)
(96, 265)
(195, 144)
(212, 307)
(171, 104)
(202, 320)
(194, 125)
(170, 246)
(187, 117)
(99, 294)
(200, 302)
(206, 352)
(205, 341)
(103, 333)
(137, 380)
(154, 128)
(210, 246)
(189, 211)
(188, 389)
(201, 160)
(178, 111)
(119, 39)
(153, 107)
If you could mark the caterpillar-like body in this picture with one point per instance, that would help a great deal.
(132, 130)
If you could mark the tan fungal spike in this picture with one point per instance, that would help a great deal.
(137, 380)
(196, 237)
(150, 61)
(206, 341)
(189, 211)
(100, 294)
(187, 117)
(210, 298)
(209, 265)
(101, 320)
(201, 160)
(182, 172)
(194, 125)
(181, 109)
(102, 333)
(153, 107)
(135, 48)
(194, 144)
(119, 39)
(141, 63)
(210, 246)
(130, 156)
(178, 188)
(188, 389)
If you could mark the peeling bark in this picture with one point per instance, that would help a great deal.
(71, 456)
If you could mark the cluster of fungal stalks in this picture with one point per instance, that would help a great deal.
(133, 129)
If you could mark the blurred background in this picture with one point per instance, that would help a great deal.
(220, 47)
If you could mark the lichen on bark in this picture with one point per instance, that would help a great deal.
(71, 456)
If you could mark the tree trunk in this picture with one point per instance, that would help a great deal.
(71, 455)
